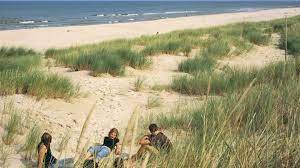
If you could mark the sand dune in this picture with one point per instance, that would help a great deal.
(43, 38)
(115, 96)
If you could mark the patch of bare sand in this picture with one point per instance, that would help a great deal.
(257, 57)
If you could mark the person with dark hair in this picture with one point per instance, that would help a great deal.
(110, 142)
(154, 142)
(45, 157)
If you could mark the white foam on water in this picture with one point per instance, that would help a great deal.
(27, 22)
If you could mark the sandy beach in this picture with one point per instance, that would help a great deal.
(59, 37)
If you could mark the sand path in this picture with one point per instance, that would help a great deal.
(43, 38)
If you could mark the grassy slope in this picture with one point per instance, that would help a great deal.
(202, 66)
(250, 126)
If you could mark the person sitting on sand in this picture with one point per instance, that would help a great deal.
(45, 157)
(111, 142)
(155, 142)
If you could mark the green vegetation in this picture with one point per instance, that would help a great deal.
(153, 101)
(258, 129)
(255, 36)
(293, 43)
(230, 80)
(197, 64)
(139, 83)
(107, 59)
(158, 87)
(255, 123)
(19, 75)
(202, 67)
(6, 52)
(36, 84)
(4, 153)
(214, 43)
(11, 127)
(31, 142)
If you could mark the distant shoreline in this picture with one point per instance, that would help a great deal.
(44, 23)
(58, 37)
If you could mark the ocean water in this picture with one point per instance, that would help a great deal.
(32, 14)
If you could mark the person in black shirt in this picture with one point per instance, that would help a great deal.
(45, 157)
(155, 142)
(110, 143)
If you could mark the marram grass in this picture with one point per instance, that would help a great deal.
(19, 75)
(36, 84)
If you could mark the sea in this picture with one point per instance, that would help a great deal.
(34, 14)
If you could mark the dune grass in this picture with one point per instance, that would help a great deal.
(153, 101)
(11, 127)
(293, 39)
(6, 52)
(202, 67)
(230, 80)
(19, 75)
(31, 142)
(100, 59)
(4, 153)
(217, 42)
(262, 130)
(251, 125)
(36, 84)
(139, 83)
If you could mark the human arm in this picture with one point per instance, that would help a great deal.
(144, 141)
(118, 149)
(41, 154)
